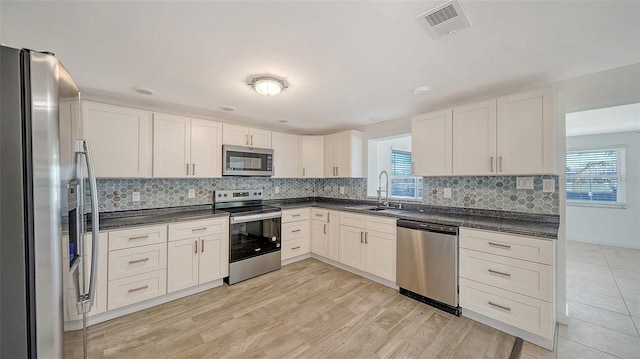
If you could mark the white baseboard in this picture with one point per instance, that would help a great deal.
(296, 259)
(372, 277)
(562, 318)
(613, 244)
(119, 312)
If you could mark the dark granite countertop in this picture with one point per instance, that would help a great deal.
(544, 226)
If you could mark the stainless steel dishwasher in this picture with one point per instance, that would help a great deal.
(427, 264)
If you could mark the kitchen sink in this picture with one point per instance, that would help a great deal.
(366, 207)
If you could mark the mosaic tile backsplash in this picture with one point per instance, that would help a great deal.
(481, 192)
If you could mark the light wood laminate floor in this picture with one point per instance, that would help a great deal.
(308, 309)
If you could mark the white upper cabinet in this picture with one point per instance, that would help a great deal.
(431, 144)
(286, 155)
(246, 136)
(474, 139)
(184, 147)
(344, 154)
(312, 156)
(120, 140)
(526, 133)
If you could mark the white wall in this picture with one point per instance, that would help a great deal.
(611, 226)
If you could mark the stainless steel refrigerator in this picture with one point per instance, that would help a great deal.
(47, 186)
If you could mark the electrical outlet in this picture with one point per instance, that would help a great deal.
(192, 193)
(277, 189)
(136, 196)
(524, 182)
(341, 190)
(548, 185)
(447, 193)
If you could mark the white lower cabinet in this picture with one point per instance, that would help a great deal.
(325, 233)
(295, 233)
(368, 243)
(198, 252)
(508, 278)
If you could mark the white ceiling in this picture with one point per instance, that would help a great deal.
(624, 118)
(346, 62)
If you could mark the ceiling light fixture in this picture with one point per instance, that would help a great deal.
(227, 108)
(267, 85)
(420, 90)
(144, 90)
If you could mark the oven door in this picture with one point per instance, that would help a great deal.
(246, 161)
(250, 237)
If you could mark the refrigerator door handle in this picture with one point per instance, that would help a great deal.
(86, 302)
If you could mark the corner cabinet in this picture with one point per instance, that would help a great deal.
(245, 136)
(185, 147)
(344, 154)
(431, 147)
(120, 140)
(286, 155)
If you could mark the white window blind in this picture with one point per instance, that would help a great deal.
(403, 184)
(596, 176)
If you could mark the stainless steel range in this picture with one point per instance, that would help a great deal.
(254, 233)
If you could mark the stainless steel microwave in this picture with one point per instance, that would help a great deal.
(246, 161)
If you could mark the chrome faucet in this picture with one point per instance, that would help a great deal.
(385, 190)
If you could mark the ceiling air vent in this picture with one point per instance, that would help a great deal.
(444, 19)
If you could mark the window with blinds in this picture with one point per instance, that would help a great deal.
(403, 184)
(596, 176)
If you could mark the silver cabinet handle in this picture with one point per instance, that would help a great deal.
(187, 165)
(246, 139)
(500, 164)
(325, 228)
(139, 288)
(500, 273)
(366, 235)
(295, 230)
(294, 248)
(318, 214)
(251, 140)
(202, 246)
(499, 306)
(196, 251)
(303, 172)
(337, 170)
(138, 237)
(295, 215)
(138, 261)
(491, 163)
(193, 169)
(199, 229)
(505, 246)
(361, 237)
(328, 217)
(413, 164)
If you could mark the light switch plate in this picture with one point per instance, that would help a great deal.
(447, 193)
(192, 193)
(341, 190)
(548, 185)
(135, 197)
(524, 182)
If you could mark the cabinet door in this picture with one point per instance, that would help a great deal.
(343, 155)
(330, 156)
(381, 255)
(235, 135)
(206, 149)
(312, 156)
(333, 235)
(431, 148)
(351, 247)
(286, 155)
(474, 139)
(259, 138)
(171, 146)
(526, 133)
(212, 264)
(182, 264)
(319, 234)
(119, 139)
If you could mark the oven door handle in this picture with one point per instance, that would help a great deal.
(254, 217)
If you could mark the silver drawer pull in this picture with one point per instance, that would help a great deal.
(298, 247)
(199, 229)
(499, 245)
(501, 273)
(295, 215)
(295, 230)
(138, 237)
(318, 214)
(139, 288)
(138, 261)
(499, 306)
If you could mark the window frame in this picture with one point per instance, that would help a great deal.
(620, 178)
(416, 179)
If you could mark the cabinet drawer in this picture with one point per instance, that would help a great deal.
(195, 229)
(135, 289)
(508, 245)
(320, 214)
(295, 230)
(520, 311)
(298, 214)
(353, 220)
(381, 224)
(522, 277)
(132, 261)
(295, 248)
(137, 237)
